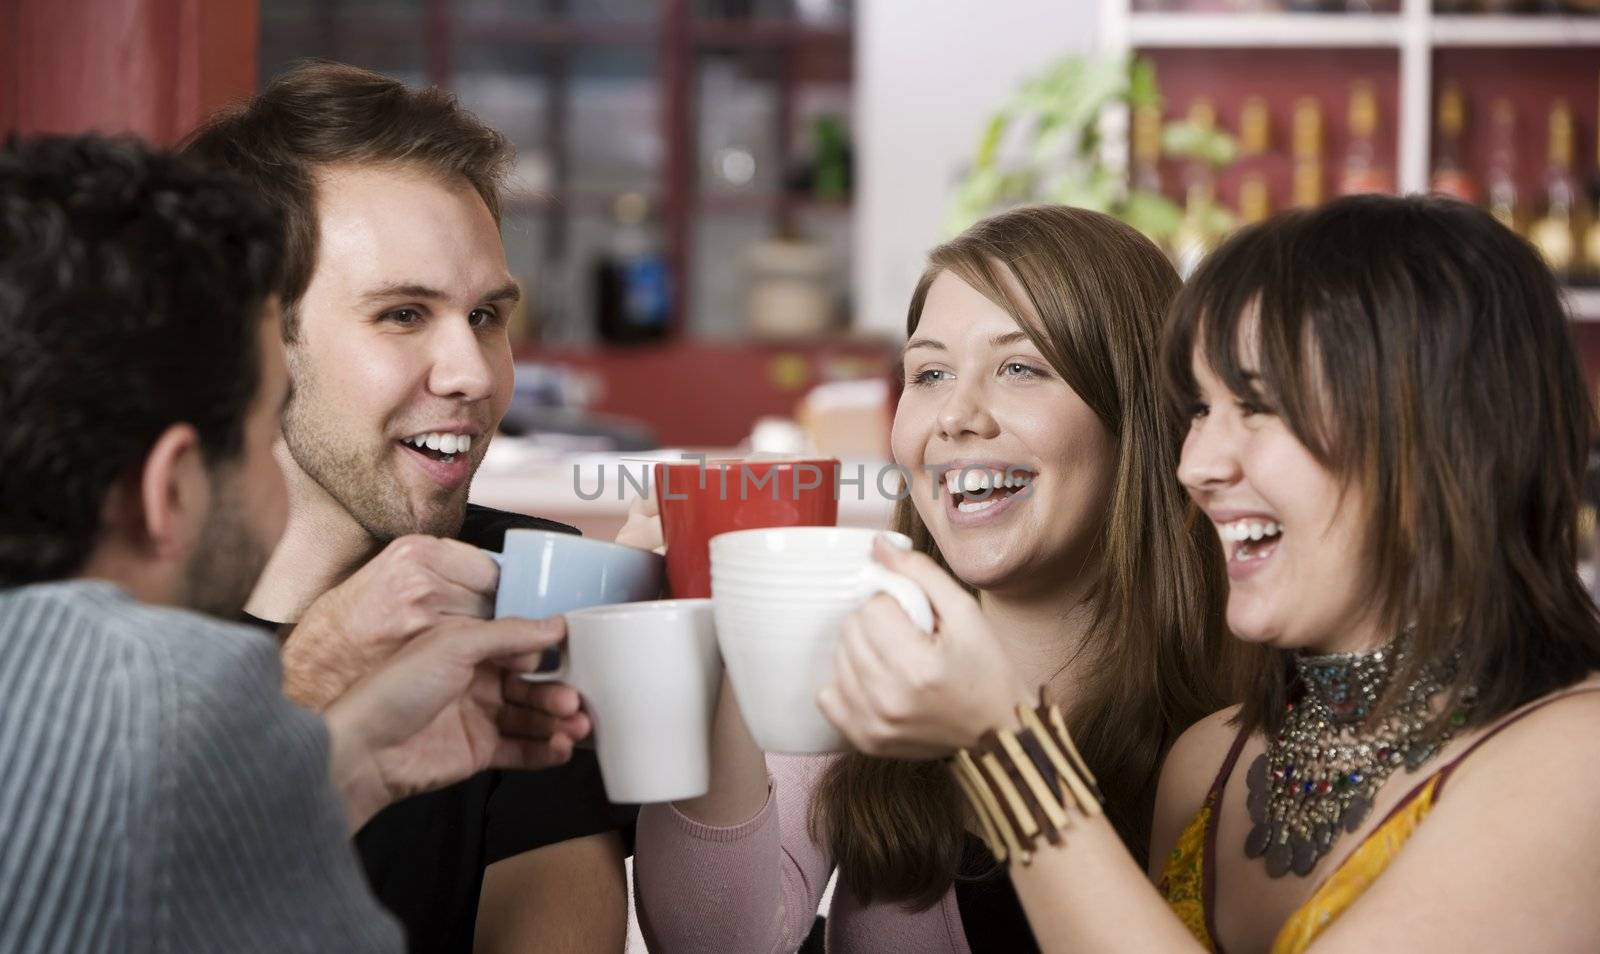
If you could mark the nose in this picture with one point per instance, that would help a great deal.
(1210, 457)
(461, 368)
(965, 413)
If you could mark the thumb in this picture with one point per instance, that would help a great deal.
(945, 595)
(495, 639)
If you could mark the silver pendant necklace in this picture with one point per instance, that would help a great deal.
(1317, 779)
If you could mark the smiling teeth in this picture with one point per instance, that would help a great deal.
(441, 442)
(1241, 530)
(971, 481)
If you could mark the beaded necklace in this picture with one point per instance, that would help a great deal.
(1316, 781)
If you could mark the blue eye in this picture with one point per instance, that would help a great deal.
(1019, 370)
(928, 376)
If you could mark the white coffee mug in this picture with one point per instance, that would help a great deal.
(649, 674)
(778, 646)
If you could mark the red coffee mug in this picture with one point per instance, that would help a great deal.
(700, 500)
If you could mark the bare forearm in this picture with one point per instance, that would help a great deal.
(571, 896)
(738, 771)
(315, 670)
(353, 773)
(1088, 895)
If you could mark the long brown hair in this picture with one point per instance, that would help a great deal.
(1091, 293)
(1420, 351)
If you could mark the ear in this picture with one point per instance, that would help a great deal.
(174, 493)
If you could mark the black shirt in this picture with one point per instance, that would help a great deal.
(991, 915)
(425, 856)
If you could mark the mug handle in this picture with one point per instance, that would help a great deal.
(908, 594)
(558, 674)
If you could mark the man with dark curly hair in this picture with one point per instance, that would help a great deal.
(157, 792)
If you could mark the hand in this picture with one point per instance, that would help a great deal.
(447, 706)
(416, 583)
(643, 527)
(901, 693)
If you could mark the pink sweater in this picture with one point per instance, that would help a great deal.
(754, 888)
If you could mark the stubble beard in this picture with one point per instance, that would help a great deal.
(227, 562)
(362, 481)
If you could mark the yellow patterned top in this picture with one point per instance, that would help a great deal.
(1183, 878)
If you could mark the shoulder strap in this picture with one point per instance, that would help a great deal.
(1511, 719)
(1226, 771)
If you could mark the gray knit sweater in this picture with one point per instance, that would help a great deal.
(157, 792)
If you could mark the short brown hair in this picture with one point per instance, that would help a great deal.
(1091, 293)
(1420, 351)
(319, 114)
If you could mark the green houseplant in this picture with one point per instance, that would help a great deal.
(1060, 138)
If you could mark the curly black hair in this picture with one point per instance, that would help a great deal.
(132, 283)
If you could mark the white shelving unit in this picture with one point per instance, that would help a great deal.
(1583, 304)
(1414, 33)
(1192, 30)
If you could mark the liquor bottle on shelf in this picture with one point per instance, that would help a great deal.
(1552, 233)
(1255, 137)
(1307, 151)
(1500, 178)
(1146, 149)
(1255, 202)
(631, 293)
(1450, 177)
(1362, 172)
(1590, 273)
(1194, 236)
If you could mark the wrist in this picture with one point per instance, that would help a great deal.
(353, 768)
(1000, 712)
(1025, 780)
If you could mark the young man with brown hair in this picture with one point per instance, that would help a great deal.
(396, 296)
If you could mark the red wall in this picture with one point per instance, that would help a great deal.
(150, 67)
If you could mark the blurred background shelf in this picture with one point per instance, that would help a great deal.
(1583, 304)
(1243, 30)
(1504, 31)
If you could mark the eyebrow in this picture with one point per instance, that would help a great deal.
(509, 293)
(997, 341)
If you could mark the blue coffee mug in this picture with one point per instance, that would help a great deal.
(544, 573)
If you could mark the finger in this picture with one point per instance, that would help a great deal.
(505, 639)
(944, 593)
(856, 645)
(556, 698)
(528, 755)
(519, 722)
(453, 599)
(463, 565)
(853, 691)
(837, 712)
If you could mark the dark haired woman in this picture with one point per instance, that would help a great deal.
(1032, 343)
(1388, 431)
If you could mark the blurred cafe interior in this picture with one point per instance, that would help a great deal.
(720, 208)
(722, 205)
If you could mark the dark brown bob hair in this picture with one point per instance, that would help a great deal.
(1420, 351)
